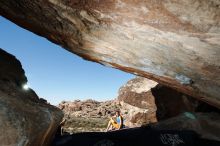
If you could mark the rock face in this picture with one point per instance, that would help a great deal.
(24, 119)
(205, 124)
(176, 43)
(171, 103)
(144, 101)
(138, 103)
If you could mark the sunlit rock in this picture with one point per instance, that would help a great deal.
(138, 103)
(176, 43)
(144, 101)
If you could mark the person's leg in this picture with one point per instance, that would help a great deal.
(114, 124)
(109, 125)
(61, 131)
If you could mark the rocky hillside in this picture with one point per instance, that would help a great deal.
(141, 102)
(135, 101)
(88, 115)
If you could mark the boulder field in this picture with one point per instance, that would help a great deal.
(141, 102)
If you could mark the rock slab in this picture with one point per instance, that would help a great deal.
(25, 120)
(176, 43)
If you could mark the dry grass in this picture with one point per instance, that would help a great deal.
(76, 125)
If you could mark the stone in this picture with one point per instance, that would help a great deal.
(144, 101)
(171, 103)
(137, 102)
(205, 124)
(25, 120)
(140, 136)
(176, 43)
(136, 92)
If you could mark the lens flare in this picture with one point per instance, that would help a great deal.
(25, 87)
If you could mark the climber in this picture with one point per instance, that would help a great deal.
(115, 124)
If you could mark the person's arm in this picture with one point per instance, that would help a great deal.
(63, 121)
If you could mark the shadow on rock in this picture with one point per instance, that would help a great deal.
(141, 136)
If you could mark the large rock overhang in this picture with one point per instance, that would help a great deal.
(176, 43)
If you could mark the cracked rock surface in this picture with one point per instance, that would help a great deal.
(176, 43)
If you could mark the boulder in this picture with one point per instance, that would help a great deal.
(174, 42)
(205, 124)
(144, 101)
(171, 103)
(138, 103)
(25, 120)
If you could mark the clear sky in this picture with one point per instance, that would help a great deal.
(56, 74)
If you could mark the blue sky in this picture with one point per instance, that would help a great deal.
(56, 74)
